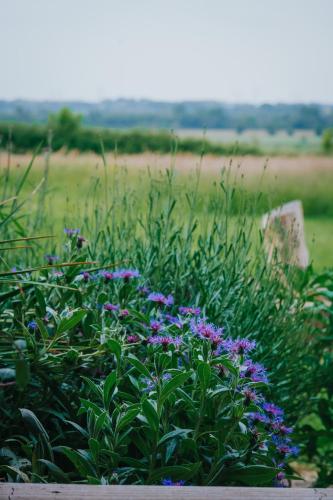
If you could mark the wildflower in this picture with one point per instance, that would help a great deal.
(239, 346)
(86, 276)
(257, 418)
(123, 313)
(107, 275)
(132, 339)
(51, 259)
(155, 325)
(111, 307)
(174, 320)
(286, 451)
(165, 341)
(207, 331)
(126, 274)
(279, 428)
(169, 482)
(71, 232)
(255, 371)
(195, 311)
(151, 383)
(161, 299)
(79, 242)
(143, 290)
(250, 396)
(272, 410)
(57, 274)
(32, 325)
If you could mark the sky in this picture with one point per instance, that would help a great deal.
(251, 51)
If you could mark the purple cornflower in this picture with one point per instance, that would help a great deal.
(257, 418)
(250, 396)
(79, 242)
(161, 299)
(86, 275)
(151, 383)
(169, 482)
(207, 331)
(255, 371)
(195, 311)
(155, 325)
(286, 451)
(57, 274)
(272, 410)
(279, 428)
(107, 275)
(239, 346)
(111, 307)
(174, 320)
(144, 290)
(32, 325)
(126, 274)
(123, 313)
(51, 259)
(165, 341)
(132, 339)
(71, 232)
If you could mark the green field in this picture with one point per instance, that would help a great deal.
(73, 190)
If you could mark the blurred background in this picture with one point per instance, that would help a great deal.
(247, 85)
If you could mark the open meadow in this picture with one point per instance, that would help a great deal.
(72, 186)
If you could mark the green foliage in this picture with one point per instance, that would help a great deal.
(327, 140)
(67, 133)
(83, 381)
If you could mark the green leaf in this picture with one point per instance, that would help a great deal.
(204, 374)
(172, 385)
(22, 368)
(42, 328)
(69, 323)
(127, 418)
(109, 383)
(175, 472)
(224, 361)
(59, 475)
(173, 434)
(114, 347)
(252, 475)
(80, 462)
(139, 366)
(151, 415)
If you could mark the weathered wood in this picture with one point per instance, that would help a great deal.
(284, 234)
(18, 491)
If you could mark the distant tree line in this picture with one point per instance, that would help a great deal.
(127, 113)
(64, 130)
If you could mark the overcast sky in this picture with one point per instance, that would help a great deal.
(228, 50)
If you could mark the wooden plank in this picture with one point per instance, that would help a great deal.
(284, 234)
(18, 491)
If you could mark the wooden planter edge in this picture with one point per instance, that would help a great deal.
(32, 491)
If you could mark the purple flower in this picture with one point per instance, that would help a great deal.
(161, 299)
(126, 274)
(257, 418)
(286, 451)
(123, 313)
(174, 320)
(111, 307)
(71, 232)
(51, 259)
(155, 325)
(255, 371)
(195, 311)
(207, 331)
(165, 341)
(32, 325)
(79, 242)
(169, 482)
(151, 383)
(250, 396)
(132, 339)
(86, 276)
(279, 428)
(239, 346)
(144, 290)
(272, 410)
(107, 275)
